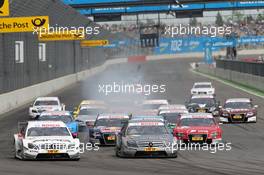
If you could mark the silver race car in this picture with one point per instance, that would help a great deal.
(145, 138)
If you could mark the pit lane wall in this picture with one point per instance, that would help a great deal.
(249, 80)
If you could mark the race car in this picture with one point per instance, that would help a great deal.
(238, 110)
(87, 114)
(146, 112)
(64, 116)
(203, 103)
(198, 128)
(171, 116)
(145, 138)
(154, 104)
(42, 104)
(106, 127)
(45, 140)
(203, 88)
(89, 107)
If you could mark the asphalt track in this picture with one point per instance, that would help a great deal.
(245, 157)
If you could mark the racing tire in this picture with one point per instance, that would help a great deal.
(76, 159)
(119, 153)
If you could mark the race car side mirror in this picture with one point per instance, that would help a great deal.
(255, 106)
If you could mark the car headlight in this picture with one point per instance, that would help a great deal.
(179, 134)
(212, 109)
(214, 135)
(32, 146)
(250, 113)
(194, 92)
(225, 114)
(96, 134)
(131, 143)
(71, 146)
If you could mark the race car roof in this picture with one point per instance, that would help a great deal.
(168, 111)
(47, 99)
(172, 106)
(202, 96)
(238, 100)
(158, 101)
(202, 83)
(55, 113)
(197, 115)
(85, 106)
(146, 123)
(46, 124)
(113, 116)
(148, 117)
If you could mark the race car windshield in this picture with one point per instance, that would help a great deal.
(46, 103)
(208, 101)
(171, 117)
(202, 86)
(110, 122)
(54, 131)
(147, 130)
(86, 117)
(238, 105)
(151, 106)
(64, 118)
(197, 122)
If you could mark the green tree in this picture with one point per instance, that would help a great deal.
(219, 20)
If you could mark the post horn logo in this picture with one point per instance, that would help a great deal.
(38, 22)
(1, 5)
(78, 35)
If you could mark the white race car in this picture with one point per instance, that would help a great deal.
(203, 88)
(42, 104)
(45, 140)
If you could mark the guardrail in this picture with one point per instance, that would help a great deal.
(241, 66)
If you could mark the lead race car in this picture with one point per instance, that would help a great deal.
(145, 138)
(45, 140)
(238, 110)
(43, 104)
(203, 88)
(106, 128)
(199, 128)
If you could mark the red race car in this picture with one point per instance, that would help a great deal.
(237, 110)
(198, 128)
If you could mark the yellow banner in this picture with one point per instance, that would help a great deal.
(4, 8)
(94, 43)
(23, 24)
(61, 36)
